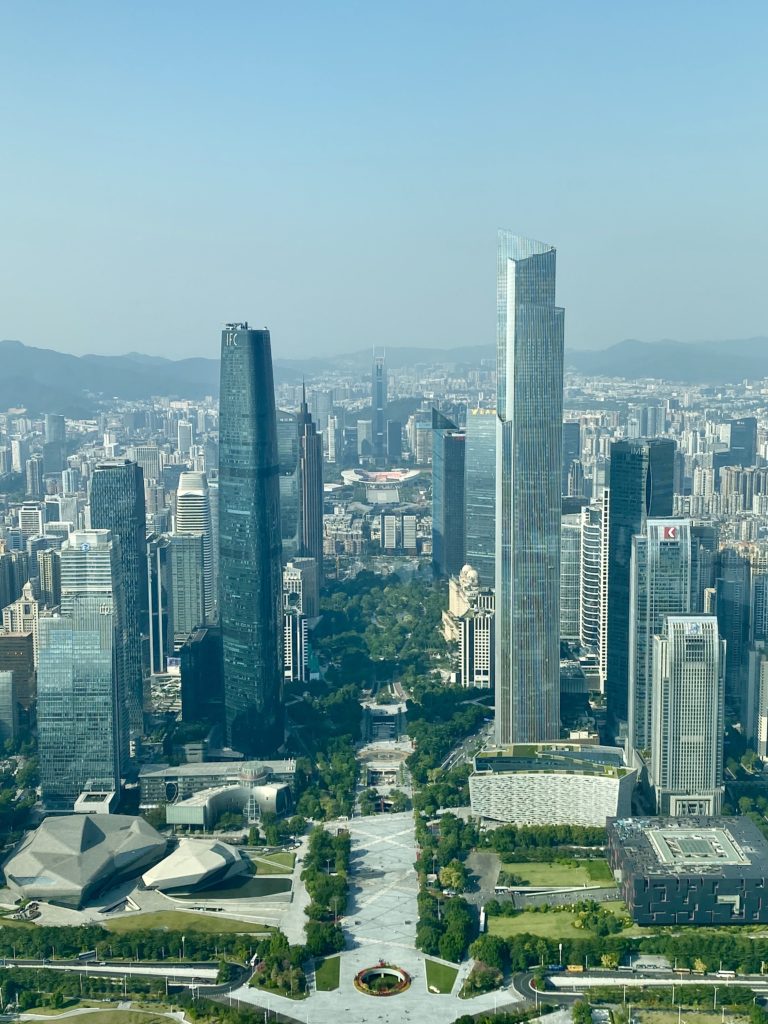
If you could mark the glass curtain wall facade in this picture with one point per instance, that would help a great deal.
(250, 552)
(660, 585)
(81, 703)
(642, 479)
(448, 461)
(117, 505)
(480, 493)
(530, 338)
(570, 576)
(290, 482)
(311, 475)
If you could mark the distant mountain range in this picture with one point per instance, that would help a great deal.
(43, 380)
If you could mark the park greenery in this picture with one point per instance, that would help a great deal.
(325, 875)
(32, 987)
(279, 968)
(446, 926)
(65, 942)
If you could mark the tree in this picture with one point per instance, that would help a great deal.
(451, 946)
(491, 950)
(454, 876)
(609, 961)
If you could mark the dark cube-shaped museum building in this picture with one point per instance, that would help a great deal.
(705, 871)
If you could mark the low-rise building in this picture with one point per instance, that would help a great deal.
(700, 870)
(551, 784)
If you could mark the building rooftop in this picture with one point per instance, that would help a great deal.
(226, 768)
(690, 846)
(564, 757)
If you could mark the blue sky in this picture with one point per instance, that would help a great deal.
(338, 171)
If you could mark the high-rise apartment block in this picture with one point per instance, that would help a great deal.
(468, 622)
(688, 716)
(530, 340)
(250, 552)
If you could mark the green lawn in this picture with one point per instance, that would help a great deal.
(327, 974)
(440, 976)
(72, 1004)
(552, 925)
(599, 871)
(178, 920)
(535, 873)
(280, 863)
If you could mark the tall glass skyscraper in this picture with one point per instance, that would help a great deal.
(448, 450)
(290, 482)
(81, 720)
(480, 493)
(530, 339)
(250, 554)
(311, 476)
(117, 505)
(642, 486)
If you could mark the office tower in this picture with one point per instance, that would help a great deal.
(117, 505)
(480, 493)
(732, 604)
(9, 716)
(660, 585)
(321, 407)
(23, 616)
(755, 727)
(705, 542)
(49, 574)
(30, 521)
(394, 441)
(213, 497)
(379, 407)
(70, 481)
(687, 729)
(17, 655)
(158, 587)
(185, 436)
(250, 554)
(528, 474)
(14, 572)
(653, 420)
(365, 440)
(422, 443)
(290, 482)
(743, 440)
(55, 428)
(202, 686)
(410, 534)
(570, 576)
(571, 449)
(193, 515)
(82, 709)
(448, 514)
(311, 477)
(301, 589)
(641, 487)
(186, 583)
(148, 457)
(34, 475)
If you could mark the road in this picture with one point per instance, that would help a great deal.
(622, 980)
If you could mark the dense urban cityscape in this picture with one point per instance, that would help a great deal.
(442, 680)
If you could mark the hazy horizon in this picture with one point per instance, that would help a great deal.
(340, 172)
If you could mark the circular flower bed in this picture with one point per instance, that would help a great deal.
(382, 980)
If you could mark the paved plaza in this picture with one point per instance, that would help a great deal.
(380, 924)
